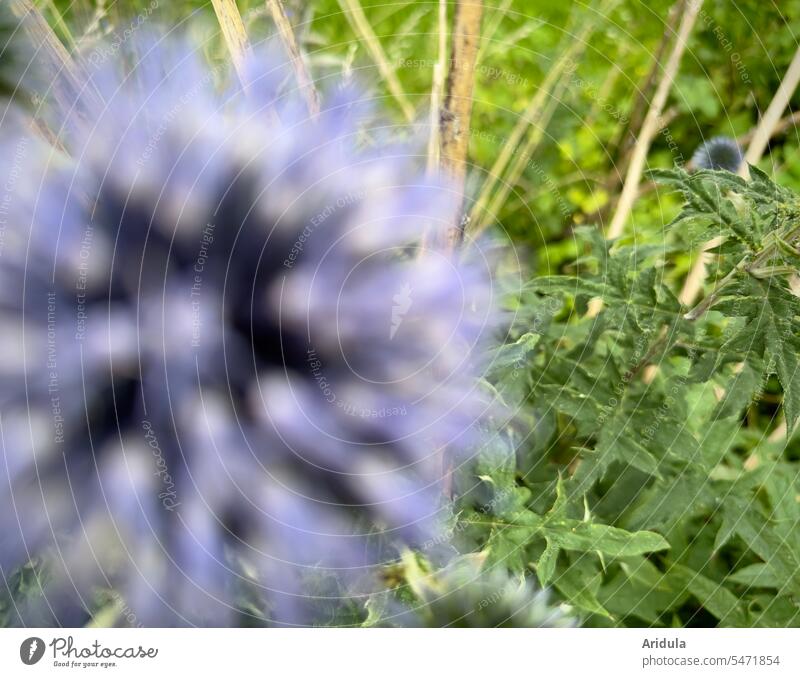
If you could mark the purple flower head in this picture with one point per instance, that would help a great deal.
(228, 368)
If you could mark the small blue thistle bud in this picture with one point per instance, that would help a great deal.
(719, 152)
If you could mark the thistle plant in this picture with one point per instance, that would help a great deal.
(651, 499)
(209, 393)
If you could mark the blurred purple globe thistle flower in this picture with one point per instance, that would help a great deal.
(228, 368)
(719, 152)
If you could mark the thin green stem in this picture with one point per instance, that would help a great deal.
(745, 265)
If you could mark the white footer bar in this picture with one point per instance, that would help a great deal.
(390, 653)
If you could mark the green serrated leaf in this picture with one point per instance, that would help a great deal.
(586, 536)
(579, 591)
(756, 576)
(715, 597)
(546, 566)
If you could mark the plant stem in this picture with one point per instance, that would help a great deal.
(711, 299)
(304, 81)
(745, 265)
(533, 116)
(233, 32)
(62, 26)
(437, 88)
(651, 122)
(60, 71)
(627, 139)
(457, 110)
(358, 20)
(773, 114)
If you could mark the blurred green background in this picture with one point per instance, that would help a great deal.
(737, 54)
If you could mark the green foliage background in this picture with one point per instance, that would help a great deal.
(660, 503)
(737, 55)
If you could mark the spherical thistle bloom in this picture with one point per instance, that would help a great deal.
(719, 152)
(228, 368)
